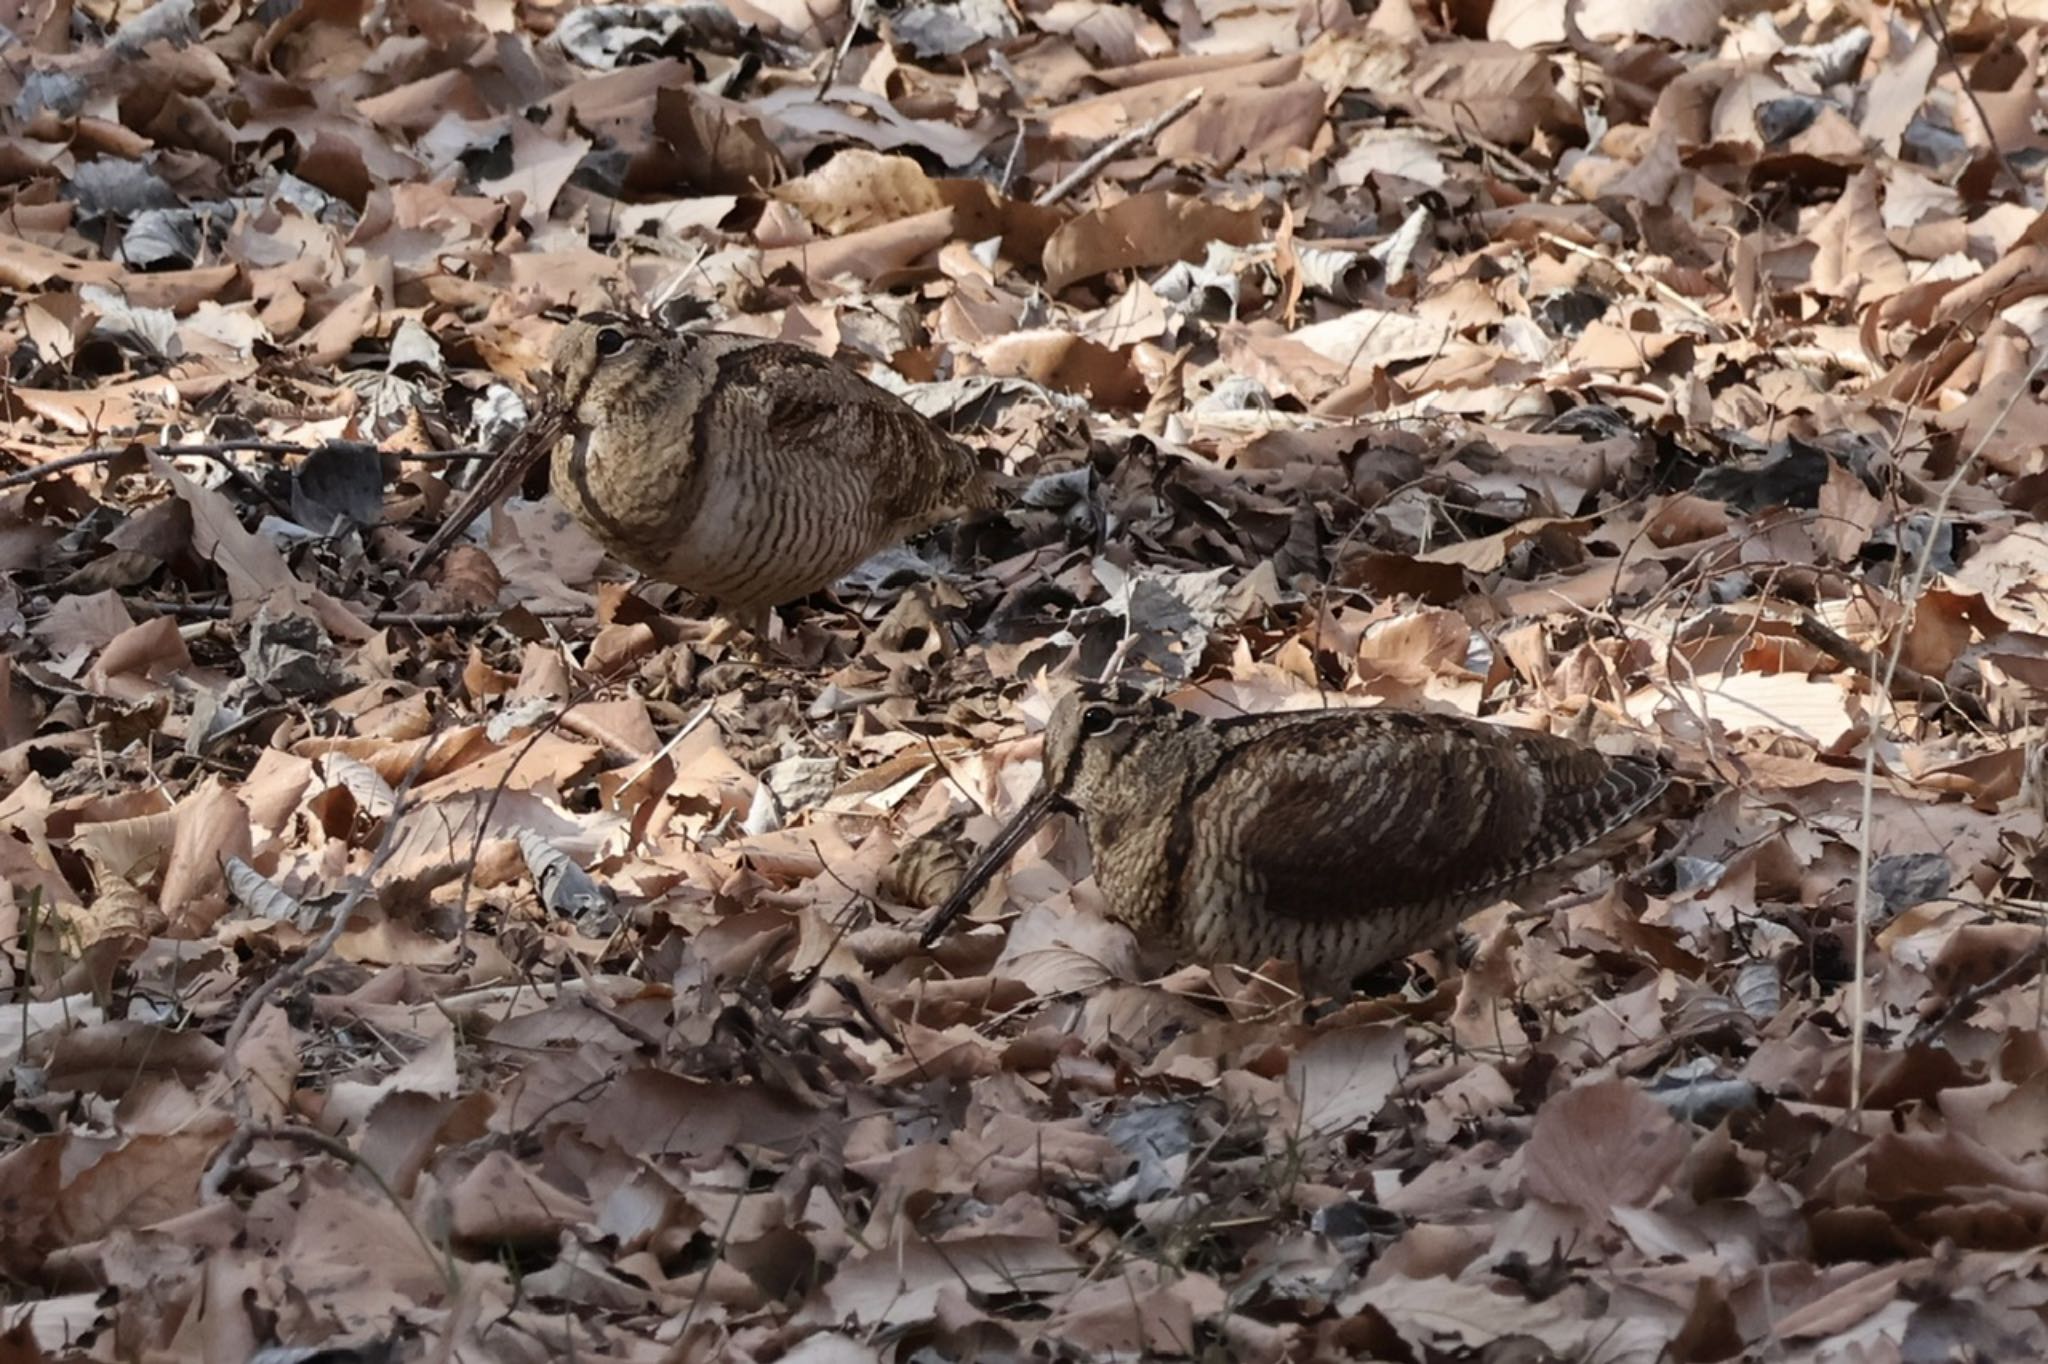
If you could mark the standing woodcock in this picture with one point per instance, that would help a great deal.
(1336, 839)
(754, 472)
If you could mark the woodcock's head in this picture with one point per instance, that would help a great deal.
(1092, 730)
(599, 364)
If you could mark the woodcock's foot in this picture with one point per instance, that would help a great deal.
(750, 634)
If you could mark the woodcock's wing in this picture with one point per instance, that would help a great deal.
(1338, 839)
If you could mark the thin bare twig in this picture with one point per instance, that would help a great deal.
(490, 807)
(683, 732)
(1010, 164)
(1965, 1000)
(853, 23)
(1662, 289)
(425, 620)
(294, 972)
(717, 1258)
(1907, 683)
(1116, 146)
(215, 450)
(1542, 180)
(106, 454)
(1909, 600)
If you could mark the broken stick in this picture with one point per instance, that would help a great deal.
(1907, 684)
(1116, 146)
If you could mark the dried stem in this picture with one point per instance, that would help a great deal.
(1656, 285)
(215, 450)
(853, 23)
(1116, 146)
(1909, 593)
(1965, 1000)
(1907, 683)
(425, 620)
(294, 972)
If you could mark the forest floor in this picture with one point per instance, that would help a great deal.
(490, 967)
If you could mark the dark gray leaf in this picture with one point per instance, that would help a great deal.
(166, 238)
(61, 92)
(1694, 1093)
(1156, 1129)
(947, 30)
(340, 486)
(1907, 879)
(1690, 874)
(1778, 120)
(1792, 479)
(292, 655)
(166, 21)
(111, 187)
(609, 36)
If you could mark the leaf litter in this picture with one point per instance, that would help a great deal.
(501, 966)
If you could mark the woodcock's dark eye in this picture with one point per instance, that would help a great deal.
(610, 342)
(1097, 720)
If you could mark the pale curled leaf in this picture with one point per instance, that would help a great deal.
(266, 899)
(565, 887)
(1759, 989)
(1346, 276)
(526, 714)
(373, 795)
(31, 1022)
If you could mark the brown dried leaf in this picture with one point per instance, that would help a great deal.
(1341, 1079)
(1603, 1146)
(1157, 227)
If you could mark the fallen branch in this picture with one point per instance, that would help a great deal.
(1116, 146)
(853, 23)
(1965, 1000)
(295, 971)
(215, 450)
(425, 620)
(1655, 285)
(234, 1156)
(1907, 684)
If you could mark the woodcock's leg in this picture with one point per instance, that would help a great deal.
(728, 626)
(749, 630)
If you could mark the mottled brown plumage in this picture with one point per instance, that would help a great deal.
(752, 471)
(1338, 839)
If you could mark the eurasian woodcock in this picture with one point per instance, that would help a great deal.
(754, 472)
(1339, 839)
